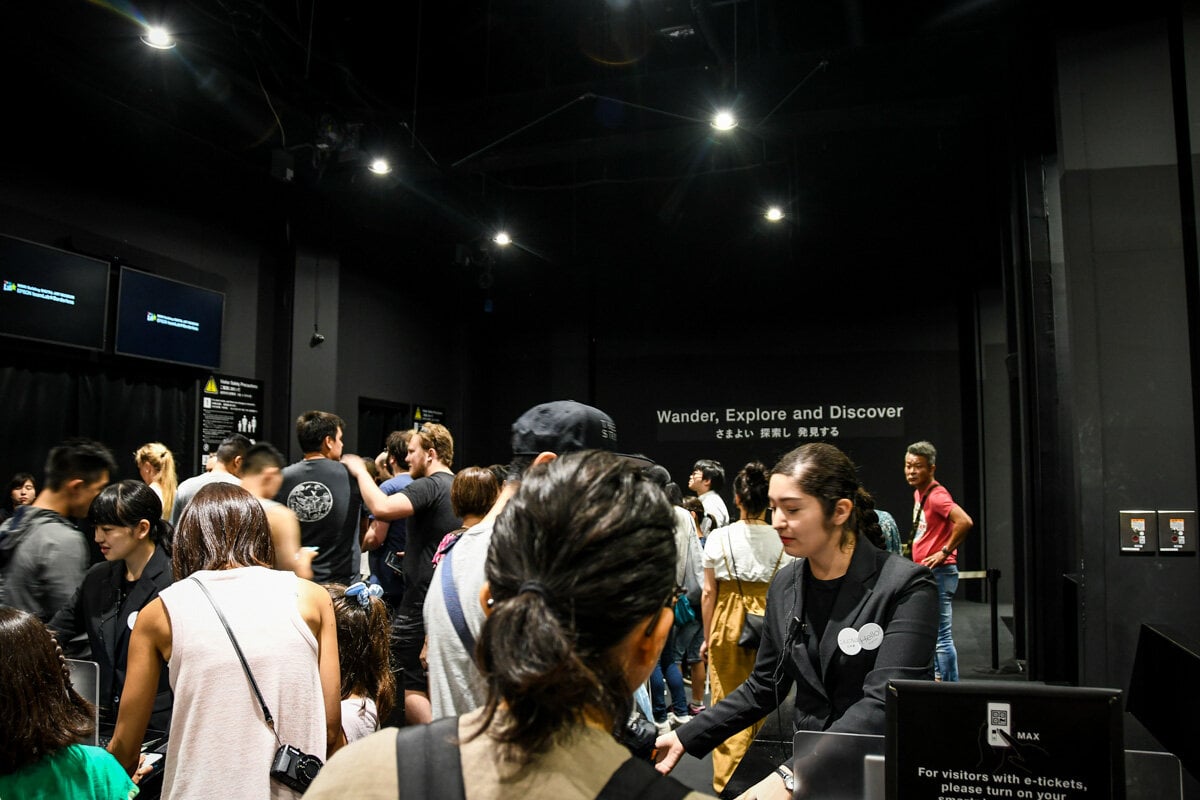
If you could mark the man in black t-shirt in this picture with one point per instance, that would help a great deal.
(325, 498)
(426, 504)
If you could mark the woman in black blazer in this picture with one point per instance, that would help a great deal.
(841, 622)
(129, 529)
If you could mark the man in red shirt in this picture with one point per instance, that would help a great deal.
(939, 526)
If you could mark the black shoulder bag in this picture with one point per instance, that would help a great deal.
(291, 766)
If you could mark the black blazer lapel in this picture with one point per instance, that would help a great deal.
(157, 570)
(109, 626)
(855, 591)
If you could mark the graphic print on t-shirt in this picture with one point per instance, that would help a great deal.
(310, 501)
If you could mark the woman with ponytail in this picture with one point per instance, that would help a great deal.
(364, 631)
(581, 580)
(841, 621)
(739, 562)
(130, 530)
(156, 465)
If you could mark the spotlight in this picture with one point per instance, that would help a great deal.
(158, 38)
(380, 166)
(724, 121)
(774, 214)
(317, 337)
(502, 239)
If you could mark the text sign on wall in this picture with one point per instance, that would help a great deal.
(228, 405)
(780, 423)
(423, 414)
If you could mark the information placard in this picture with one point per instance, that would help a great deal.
(423, 414)
(992, 740)
(228, 405)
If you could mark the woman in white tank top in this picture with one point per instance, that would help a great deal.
(220, 744)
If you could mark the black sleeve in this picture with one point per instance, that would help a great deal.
(762, 691)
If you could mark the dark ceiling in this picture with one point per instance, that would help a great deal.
(571, 121)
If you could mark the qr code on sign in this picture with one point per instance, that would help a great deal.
(999, 718)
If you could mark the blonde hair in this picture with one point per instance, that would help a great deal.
(158, 456)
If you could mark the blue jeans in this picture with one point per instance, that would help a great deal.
(674, 682)
(945, 660)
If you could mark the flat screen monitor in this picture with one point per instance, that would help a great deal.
(1158, 693)
(168, 320)
(996, 740)
(51, 295)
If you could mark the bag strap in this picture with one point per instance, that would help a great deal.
(428, 763)
(237, 648)
(454, 605)
(733, 570)
(912, 535)
(639, 780)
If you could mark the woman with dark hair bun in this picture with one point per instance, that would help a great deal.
(130, 530)
(220, 742)
(42, 718)
(841, 621)
(739, 562)
(578, 602)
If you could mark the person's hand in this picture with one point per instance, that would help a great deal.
(769, 788)
(425, 655)
(353, 463)
(143, 769)
(935, 560)
(304, 558)
(667, 752)
(704, 651)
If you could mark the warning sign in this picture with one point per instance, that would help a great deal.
(228, 405)
(423, 414)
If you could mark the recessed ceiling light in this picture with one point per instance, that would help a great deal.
(724, 121)
(158, 38)
(380, 166)
(774, 214)
(502, 239)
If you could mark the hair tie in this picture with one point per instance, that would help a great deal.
(537, 587)
(364, 592)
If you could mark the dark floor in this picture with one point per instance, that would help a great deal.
(972, 637)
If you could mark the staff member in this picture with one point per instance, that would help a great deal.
(129, 528)
(841, 622)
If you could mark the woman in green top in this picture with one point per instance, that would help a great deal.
(41, 720)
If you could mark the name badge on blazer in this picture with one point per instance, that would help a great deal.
(868, 637)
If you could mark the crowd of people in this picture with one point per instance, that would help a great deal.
(512, 628)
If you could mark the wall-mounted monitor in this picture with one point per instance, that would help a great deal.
(51, 295)
(168, 320)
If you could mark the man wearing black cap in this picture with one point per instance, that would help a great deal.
(453, 615)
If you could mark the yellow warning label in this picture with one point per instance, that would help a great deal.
(211, 386)
(417, 414)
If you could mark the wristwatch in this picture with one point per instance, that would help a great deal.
(789, 780)
(945, 550)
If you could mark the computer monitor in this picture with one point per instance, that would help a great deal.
(1164, 660)
(995, 740)
(168, 320)
(85, 680)
(51, 295)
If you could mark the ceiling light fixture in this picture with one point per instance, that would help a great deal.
(158, 38)
(502, 239)
(774, 214)
(724, 121)
(380, 166)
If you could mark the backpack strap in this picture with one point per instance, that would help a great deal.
(454, 604)
(428, 765)
(639, 780)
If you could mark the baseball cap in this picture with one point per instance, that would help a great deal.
(565, 426)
